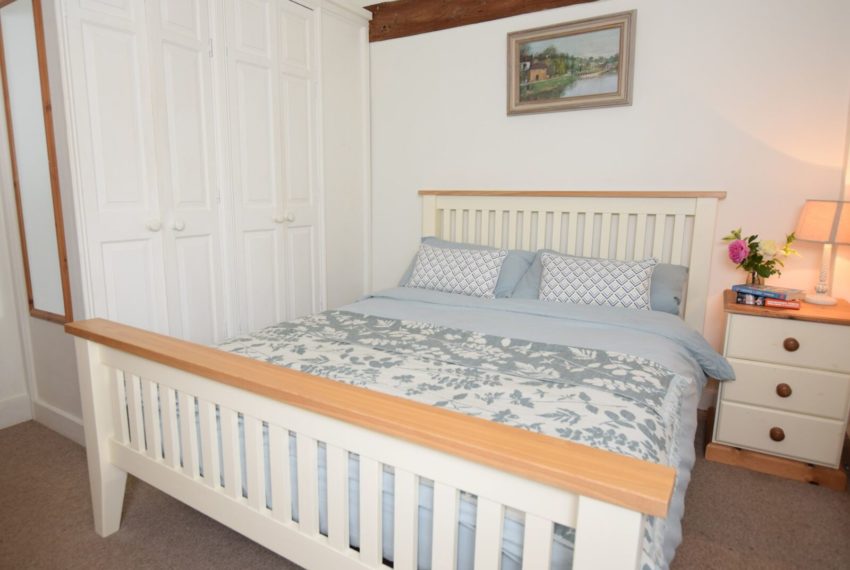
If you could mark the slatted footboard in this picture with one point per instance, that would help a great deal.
(216, 431)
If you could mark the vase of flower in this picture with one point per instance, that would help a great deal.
(753, 278)
(760, 259)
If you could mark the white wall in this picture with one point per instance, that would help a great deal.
(747, 97)
(48, 353)
(14, 400)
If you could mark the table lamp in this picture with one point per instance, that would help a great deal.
(826, 222)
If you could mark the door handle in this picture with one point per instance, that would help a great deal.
(153, 225)
(287, 217)
(179, 225)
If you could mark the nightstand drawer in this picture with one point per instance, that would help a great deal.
(800, 390)
(805, 438)
(783, 341)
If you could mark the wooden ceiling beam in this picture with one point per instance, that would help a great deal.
(402, 18)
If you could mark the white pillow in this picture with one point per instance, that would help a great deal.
(589, 281)
(471, 272)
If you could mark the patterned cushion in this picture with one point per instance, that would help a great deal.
(465, 271)
(588, 281)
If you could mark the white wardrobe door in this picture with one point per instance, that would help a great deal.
(117, 162)
(276, 206)
(179, 35)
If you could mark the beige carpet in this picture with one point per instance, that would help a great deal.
(734, 519)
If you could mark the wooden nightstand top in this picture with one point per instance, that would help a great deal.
(836, 314)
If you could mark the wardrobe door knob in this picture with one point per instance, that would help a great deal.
(783, 390)
(777, 434)
(278, 219)
(289, 217)
(179, 225)
(790, 344)
(153, 225)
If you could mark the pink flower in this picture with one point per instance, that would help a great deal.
(738, 250)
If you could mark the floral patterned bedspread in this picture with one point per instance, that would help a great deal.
(613, 401)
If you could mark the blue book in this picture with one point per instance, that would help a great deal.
(782, 293)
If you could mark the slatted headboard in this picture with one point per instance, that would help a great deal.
(674, 227)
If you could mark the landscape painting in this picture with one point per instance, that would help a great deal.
(574, 65)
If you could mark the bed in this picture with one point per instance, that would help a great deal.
(485, 465)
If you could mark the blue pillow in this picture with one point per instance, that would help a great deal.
(516, 265)
(666, 290)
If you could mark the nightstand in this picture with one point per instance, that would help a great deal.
(786, 412)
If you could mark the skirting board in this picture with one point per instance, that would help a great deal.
(807, 473)
(61, 422)
(15, 410)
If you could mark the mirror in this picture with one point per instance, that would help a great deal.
(29, 124)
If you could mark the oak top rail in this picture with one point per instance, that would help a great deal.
(578, 193)
(604, 475)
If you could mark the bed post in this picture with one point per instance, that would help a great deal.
(607, 536)
(429, 216)
(106, 481)
(699, 270)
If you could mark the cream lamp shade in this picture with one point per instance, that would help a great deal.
(826, 222)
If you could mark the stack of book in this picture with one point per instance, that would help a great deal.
(768, 296)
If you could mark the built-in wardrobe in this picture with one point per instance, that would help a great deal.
(220, 159)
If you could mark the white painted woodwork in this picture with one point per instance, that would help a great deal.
(489, 521)
(117, 191)
(822, 346)
(814, 416)
(444, 542)
(107, 481)
(179, 36)
(113, 456)
(202, 143)
(277, 203)
(807, 438)
(674, 230)
(813, 392)
(406, 520)
(536, 543)
(370, 512)
(607, 536)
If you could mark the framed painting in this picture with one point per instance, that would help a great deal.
(574, 65)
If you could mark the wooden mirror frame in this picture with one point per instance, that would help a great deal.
(38, 21)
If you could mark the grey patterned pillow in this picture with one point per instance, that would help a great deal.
(588, 281)
(471, 272)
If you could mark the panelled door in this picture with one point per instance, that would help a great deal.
(118, 183)
(143, 106)
(181, 63)
(271, 73)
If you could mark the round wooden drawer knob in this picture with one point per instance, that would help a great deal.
(777, 434)
(783, 390)
(791, 344)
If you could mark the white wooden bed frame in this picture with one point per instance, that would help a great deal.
(604, 496)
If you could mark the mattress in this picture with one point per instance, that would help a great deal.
(655, 370)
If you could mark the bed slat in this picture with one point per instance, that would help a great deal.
(540, 242)
(230, 452)
(498, 232)
(255, 463)
(536, 543)
(605, 236)
(134, 408)
(370, 512)
(337, 470)
(444, 551)
(587, 242)
(622, 236)
(308, 479)
(406, 498)
(600, 525)
(488, 534)
(119, 407)
(153, 438)
(188, 435)
(658, 241)
(170, 434)
(640, 237)
(209, 443)
(678, 239)
(281, 486)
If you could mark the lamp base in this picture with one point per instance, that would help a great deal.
(820, 299)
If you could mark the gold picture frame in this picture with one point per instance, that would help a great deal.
(575, 65)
